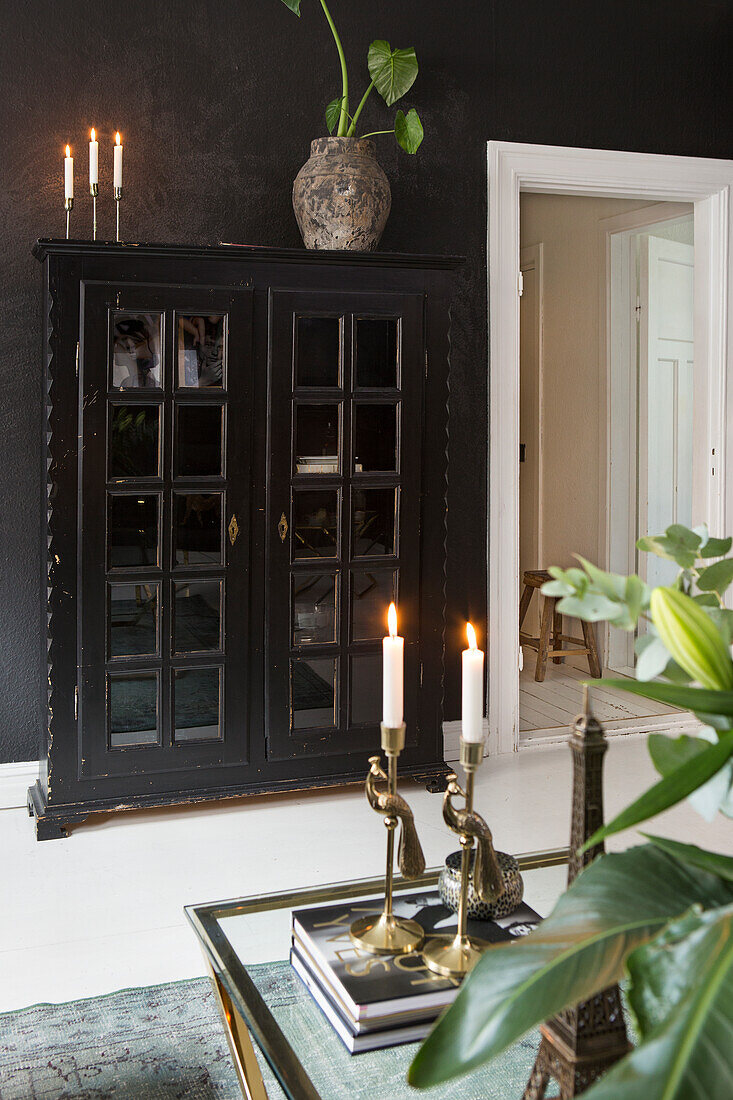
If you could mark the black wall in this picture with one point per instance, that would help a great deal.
(218, 103)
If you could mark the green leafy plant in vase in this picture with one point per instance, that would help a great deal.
(341, 196)
(659, 915)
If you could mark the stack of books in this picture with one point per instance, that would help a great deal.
(375, 1001)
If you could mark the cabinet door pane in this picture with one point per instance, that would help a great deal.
(376, 353)
(315, 516)
(132, 614)
(314, 608)
(197, 617)
(133, 536)
(318, 351)
(133, 447)
(201, 351)
(199, 440)
(371, 594)
(366, 689)
(198, 536)
(133, 709)
(375, 438)
(313, 695)
(317, 439)
(374, 522)
(197, 696)
(137, 360)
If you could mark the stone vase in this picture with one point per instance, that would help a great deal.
(341, 196)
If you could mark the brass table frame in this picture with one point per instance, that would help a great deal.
(244, 1013)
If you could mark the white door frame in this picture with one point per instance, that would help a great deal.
(559, 170)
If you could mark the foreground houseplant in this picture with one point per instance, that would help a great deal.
(341, 196)
(660, 914)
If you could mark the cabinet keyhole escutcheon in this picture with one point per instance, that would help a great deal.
(233, 529)
(282, 528)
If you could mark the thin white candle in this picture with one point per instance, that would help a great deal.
(68, 174)
(118, 162)
(93, 159)
(393, 658)
(472, 717)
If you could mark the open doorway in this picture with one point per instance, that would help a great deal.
(641, 289)
(641, 181)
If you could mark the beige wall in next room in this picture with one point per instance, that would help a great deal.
(573, 383)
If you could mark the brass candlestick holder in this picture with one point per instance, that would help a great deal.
(68, 207)
(94, 191)
(453, 956)
(118, 200)
(388, 934)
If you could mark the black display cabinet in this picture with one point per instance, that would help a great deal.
(245, 461)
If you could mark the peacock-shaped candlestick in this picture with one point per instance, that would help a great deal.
(454, 956)
(388, 934)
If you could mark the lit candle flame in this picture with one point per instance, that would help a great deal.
(117, 137)
(392, 620)
(94, 134)
(68, 150)
(471, 635)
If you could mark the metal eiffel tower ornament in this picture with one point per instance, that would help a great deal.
(581, 1043)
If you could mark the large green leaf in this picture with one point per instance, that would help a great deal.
(668, 753)
(393, 71)
(698, 700)
(294, 5)
(670, 790)
(717, 577)
(408, 130)
(682, 995)
(618, 902)
(715, 862)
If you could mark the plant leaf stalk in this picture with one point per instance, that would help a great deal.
(344, 113)
(352, 129)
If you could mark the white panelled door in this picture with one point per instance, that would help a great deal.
(665, 393)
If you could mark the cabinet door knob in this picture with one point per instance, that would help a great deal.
(233, 529)
(282, 528)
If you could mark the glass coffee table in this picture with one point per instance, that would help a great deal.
(281, 1044)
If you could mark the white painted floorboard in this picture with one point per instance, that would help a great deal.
(102, 910)
(555, 702)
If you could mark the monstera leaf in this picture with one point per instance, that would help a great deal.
(614, 906)
(393, 71)
(682, 995)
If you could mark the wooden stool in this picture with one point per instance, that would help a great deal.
(551, 627)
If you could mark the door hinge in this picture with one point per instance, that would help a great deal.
(426, 362)
(77, 358)
(520, 283)
(421, 672)
(76, 702)
(521, 658)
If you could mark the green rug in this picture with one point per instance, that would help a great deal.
(166, 1042)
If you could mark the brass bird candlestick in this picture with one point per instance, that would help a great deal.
(388, 934)
(454, 956)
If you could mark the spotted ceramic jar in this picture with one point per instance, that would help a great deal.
(341, 196)
(449, 885)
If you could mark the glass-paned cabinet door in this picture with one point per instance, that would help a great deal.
(346, 374)
(164, 503)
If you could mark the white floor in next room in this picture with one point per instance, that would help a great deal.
(102, 910)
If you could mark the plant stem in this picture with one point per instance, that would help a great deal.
(343, 117)
(352, 128)
(375, 132)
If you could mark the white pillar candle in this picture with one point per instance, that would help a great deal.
(118, 161)
(68, 174)
(93, 159)
(393, 658)
(472, 716)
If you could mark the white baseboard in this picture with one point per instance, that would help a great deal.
(452, 736)
(15, 779)
(619, 727)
